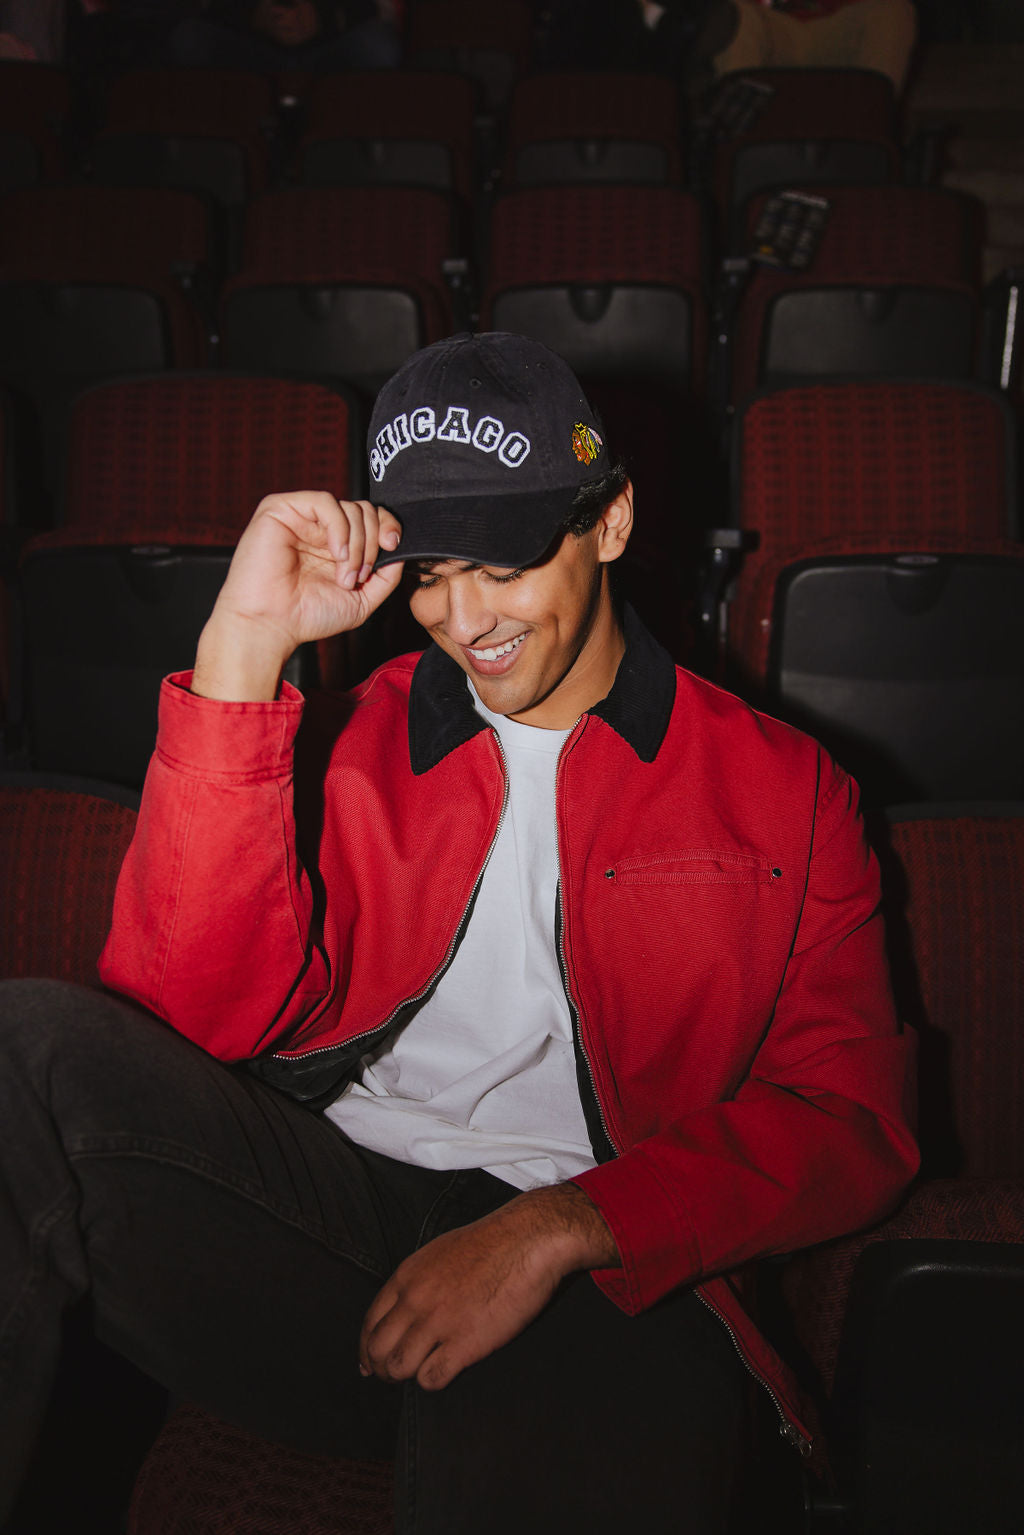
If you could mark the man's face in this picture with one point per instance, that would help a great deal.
(540, 644)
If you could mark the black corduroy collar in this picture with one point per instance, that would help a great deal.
(442, 716)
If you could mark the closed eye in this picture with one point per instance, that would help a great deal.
(513, 575)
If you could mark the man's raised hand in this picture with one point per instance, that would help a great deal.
(303, 570)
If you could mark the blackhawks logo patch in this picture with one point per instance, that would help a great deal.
(586, 444)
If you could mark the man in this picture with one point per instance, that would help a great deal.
(579, 957)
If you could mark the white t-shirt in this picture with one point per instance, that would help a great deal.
(484, 1074)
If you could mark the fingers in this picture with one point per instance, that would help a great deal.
(362, 531)
(351, 533)
(395, 1340)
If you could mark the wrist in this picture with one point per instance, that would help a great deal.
(238, 661)
(574, 1226)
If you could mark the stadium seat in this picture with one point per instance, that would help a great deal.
(593, 126)
(401, 127)
(609, 276)
(344, 282)
(913, 1332)
(164, 473)
(892, 288)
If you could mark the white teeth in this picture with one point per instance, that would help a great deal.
(501, 650)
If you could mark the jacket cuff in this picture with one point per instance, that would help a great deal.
(228, 742)
(651, 1229)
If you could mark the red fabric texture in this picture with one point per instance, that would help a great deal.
(808, 105)
(874, 237)
(395, 237)
(955, 895)
(595, 234)
(817, 1282)
(205, 1477)
(133, 237)
(398, 104)
(34, 104)
(820, 103)
(92, 233)
(186, 458)
(211, 102)
(952, 891)
(594, 105)
(860, 466)
(500, 24)
(236, 105)
(60, 853)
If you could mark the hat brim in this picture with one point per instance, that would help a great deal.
(500, 530)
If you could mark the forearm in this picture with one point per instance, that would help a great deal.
(783, 1165)
(212, 913)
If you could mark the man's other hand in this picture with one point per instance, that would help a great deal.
(472, 1290)
(302, 571)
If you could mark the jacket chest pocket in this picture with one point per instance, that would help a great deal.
(694, 866)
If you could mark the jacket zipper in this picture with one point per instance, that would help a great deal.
(574, 1016)
(456, 938)
(787, 1428)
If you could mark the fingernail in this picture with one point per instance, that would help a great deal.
(350, 580)
(390, 539)
(366, 571)
(363, 1370)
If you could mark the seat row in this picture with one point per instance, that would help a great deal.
(231, 133)
(863, 574)
(345, 282)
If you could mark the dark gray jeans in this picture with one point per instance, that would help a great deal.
(230, 1242)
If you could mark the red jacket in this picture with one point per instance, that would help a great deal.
(741, 1069)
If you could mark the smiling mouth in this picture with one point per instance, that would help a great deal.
(495, 652)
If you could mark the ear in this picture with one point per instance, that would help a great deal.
(615, 525)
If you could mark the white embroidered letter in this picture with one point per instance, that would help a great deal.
(488, 433)
(421, 424)
(401, 426)
(455, 426)
(386, 443)
(376, 464)
(514, 450)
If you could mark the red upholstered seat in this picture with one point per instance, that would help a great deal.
(851, 466)
(204, 1477)
(186, 457)
(164, 473)
(609, 276)
(798, 127)
(911, 1330)
(400, 126)
(205, 129)
(342, 281)
(61, 849)
(35, 100)
(593, 125)
(892, 288)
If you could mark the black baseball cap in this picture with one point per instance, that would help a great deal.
(478, 445)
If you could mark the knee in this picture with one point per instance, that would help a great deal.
(46, 1023)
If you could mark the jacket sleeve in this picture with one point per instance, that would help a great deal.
(816, 1140)
(212, 925)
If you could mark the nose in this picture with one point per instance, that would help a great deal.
(471, 616)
